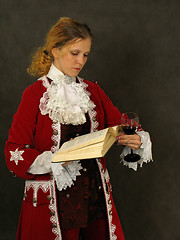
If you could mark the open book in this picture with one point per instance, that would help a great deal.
(91, 145)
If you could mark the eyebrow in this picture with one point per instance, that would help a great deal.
(74, 50)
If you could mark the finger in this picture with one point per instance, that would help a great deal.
(66, 163)
(133, 146)
(135, 137)
(130, 140)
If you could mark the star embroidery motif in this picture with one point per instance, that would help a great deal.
(16, 156)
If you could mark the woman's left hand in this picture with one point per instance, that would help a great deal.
(133, 141)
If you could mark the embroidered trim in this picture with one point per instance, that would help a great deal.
(105, 179)
(16, 156)
(46, 186)
(55, 219)
(106, 175)
(56, 138)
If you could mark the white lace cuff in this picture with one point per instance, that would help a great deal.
(145, 151)
(42, 164)
(64, 176)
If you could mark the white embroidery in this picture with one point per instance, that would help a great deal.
(46, 186)
(16, 156)
(56, 137)
(55, 219)
(105, 177)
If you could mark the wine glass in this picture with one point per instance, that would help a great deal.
(130, 123)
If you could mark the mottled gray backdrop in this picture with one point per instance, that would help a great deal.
(136, 60)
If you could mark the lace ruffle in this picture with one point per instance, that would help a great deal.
(145, 151)
(65, 100)
(65, 176)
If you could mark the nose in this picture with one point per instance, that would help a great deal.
(81, 60)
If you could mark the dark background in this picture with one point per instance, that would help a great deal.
(136, 60)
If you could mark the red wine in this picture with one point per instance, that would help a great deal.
(129, 130)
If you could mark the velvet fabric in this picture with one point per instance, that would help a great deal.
(32, 133)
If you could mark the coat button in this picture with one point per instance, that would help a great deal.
(55, 121)
(109, 202)
(14, 175)
(85, 169)
(68, 195)
(103, 171)
(86, 196)
(77, 134)
(94, 119)
(34, 200)
(52, 213)
(49, 197)
(54, 225)
(110, 212)
(27, 146)
(99, 187)
(55, 132)
(55, 143)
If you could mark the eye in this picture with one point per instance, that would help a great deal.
(86, 54)
(74, 53)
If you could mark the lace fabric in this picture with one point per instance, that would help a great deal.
(65, 176)
(145, 151)
(65, 100)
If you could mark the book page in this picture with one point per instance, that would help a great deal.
(87, 152)
(116, 130)
(83, 140)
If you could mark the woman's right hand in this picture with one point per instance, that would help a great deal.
(66, 163)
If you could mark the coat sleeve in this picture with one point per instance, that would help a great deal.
(112, 114)
(19, 150)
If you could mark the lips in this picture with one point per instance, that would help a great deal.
(77, 69)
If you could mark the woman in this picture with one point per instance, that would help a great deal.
(71, 200)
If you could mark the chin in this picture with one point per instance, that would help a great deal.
(73, 74)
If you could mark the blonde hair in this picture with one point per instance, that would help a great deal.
(65, 31)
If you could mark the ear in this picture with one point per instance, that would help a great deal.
(55, 52)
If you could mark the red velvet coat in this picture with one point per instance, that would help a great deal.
(31, 134)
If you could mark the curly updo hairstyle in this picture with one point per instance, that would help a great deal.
(65, 31)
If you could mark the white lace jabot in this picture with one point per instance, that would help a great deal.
(65, 100)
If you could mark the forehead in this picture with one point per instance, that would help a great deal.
(83, 45)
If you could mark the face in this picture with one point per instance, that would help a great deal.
(72, 58)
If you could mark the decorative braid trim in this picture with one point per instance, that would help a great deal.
(56, 125)
(105, 180)
(46, 186)
(94, 124)
(92, 113)
(55, 219)
(56, 138)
